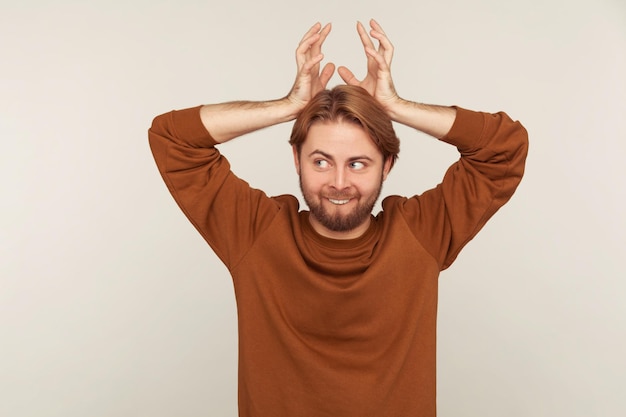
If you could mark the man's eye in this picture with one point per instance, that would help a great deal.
(357, 165)
(321, 163)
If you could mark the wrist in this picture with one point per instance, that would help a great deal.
(397, 108)
(291, 106)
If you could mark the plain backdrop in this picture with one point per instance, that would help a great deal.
(112, 305)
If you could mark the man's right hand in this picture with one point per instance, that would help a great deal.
(310, 80)
(226, 121)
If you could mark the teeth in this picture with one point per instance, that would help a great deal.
(338, 202)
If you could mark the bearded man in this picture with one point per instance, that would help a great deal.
(337, 306)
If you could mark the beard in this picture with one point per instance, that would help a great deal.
(338, 222)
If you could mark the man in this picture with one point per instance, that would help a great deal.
(336, 307)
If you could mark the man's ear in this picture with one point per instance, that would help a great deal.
(296, 158)
(387, 167)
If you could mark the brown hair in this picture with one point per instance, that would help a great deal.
(352, 104)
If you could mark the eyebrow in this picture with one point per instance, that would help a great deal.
(330, 157)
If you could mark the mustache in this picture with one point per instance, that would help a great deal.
(341, 196)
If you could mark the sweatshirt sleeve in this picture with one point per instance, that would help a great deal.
(493, 150)
(226, 211)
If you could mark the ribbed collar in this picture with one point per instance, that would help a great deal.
(337, 244)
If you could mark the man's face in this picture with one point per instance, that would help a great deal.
(341, 175)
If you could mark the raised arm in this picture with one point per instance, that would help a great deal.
(227, 121)
(229, 213)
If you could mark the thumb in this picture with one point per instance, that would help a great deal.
(347, 76)
(327, 73)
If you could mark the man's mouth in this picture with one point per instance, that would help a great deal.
(338, 202)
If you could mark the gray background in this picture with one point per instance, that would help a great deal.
(112, 305)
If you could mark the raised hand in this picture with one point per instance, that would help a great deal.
(378, 81)
(310, 80)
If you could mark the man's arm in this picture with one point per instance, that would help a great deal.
(227, 121)
(493, 151)
(431, 119)
(225, 209)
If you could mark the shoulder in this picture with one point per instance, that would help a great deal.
(392, 202)
(401, 203)
(288, 200)
(288, 207)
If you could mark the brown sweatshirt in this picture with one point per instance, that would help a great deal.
(342, 328)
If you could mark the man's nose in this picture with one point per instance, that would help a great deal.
(341, 179)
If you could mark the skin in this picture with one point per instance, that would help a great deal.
(341, 174)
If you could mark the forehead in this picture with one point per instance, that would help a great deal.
(339, 138)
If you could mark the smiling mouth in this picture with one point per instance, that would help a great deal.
(338, 202)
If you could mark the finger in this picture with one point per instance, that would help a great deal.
(303, 51)
(376, 26)
(314, 29)
(311, 63)
(382, 64)
(315, 32)
(316, 47)
(326, 73)
(385, 46)
(347, 76)
(374, 29)
(365, 39)
(306, 43)
(310, 37)
(325, 31)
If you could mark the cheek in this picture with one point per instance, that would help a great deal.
(311, 181)
(367, 183)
